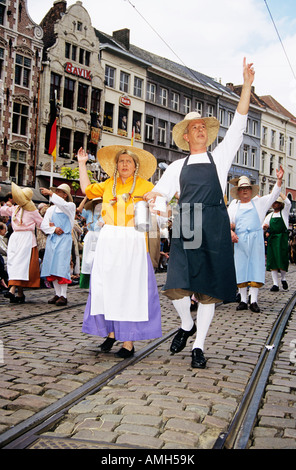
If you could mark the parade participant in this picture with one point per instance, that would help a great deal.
(91, 211)
(58, 224)
(205, 269)
(123, 301)
(246, 218)
(22, 253)
(277, 223)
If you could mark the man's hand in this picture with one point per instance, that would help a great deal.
(280, 173)
(59, 231)
(248, 72)
(46, 191)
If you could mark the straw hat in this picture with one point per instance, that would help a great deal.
(106, 157)
(92, 203)
(23, 197)
(212, 125)
(64, 187)
(240, 183)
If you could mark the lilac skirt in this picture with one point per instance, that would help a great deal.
(128, 330)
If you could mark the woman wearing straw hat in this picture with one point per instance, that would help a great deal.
(58, 224)
(246, 217)
(22, 253)
(277, 222)
(201, 257)
(123, 302)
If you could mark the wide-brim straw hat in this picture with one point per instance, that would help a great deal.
(23, 197)
(212, 125)
(240, 183)
(89, 205)
(63, 187)
(106, 157)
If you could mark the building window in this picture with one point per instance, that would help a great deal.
(55, 85)
(263, 162)
(124, 82)
(122, 121)
(245, 155)
(271, 165)
(253, 158)
(222, 116)
(272, 143)
(22, 70)
(198, 107)
(264, 135)
(108, 117)
(65, 137)
(20, 118)
(137, 125)
(82, 98)
(281, 141)
(79, 26)
(69, 88)
(175, 101)
(230, 118)
(187, 105)
(163, 97)
(95, 100)
(2, 12)
(210, 110)
(1, 61)
(17, 166)
(149, 129)
(291, 146)
(110, 76)
(138, 87)
(162, 132)
(255, 128)
(172, 142)
(151, 92)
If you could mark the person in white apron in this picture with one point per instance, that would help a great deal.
(91, 211)
(22, 253)
(123, 302)
(58, 224)
(246, 215)
(195, 265)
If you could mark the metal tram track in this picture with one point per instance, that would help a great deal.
(24, 434)
(242, 425)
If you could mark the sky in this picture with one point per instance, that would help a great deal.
(210, 36)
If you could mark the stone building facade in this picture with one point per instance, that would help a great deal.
(73, 76)
(21, 47)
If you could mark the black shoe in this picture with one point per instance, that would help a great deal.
(254, 307)
(179, 341)
(10, 296)
(274, 288)
(285, 285)
(198, 359)
(124, 353)
(106, 346)
(242, 306)
(20, 300)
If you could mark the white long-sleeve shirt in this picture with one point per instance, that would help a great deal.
(223, 155)
(60, 205)
(285, 213)
(262, 204)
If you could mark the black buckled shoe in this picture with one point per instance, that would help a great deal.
(107, 344)
(242, 306)
(124, 353)
(285, 285)
(198, 359)
(179, 341)
(254, 307)
(274, 288)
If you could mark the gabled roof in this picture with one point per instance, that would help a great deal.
(276, 106)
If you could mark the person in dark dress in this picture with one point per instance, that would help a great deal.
(201, 256)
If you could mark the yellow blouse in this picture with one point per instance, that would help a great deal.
(121, 213)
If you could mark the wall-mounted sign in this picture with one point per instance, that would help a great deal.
(78, 71)
(125, 100)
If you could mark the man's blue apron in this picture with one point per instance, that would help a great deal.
(249, 252)
(57, 256)
(209, 268)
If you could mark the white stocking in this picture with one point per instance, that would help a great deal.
(254, 294)
(243, 293)
(205, 314)
(183, 308)
(275, 278)
(57, 287)
(64, 290)
(283, 275)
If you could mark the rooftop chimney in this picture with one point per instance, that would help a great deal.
(122, 36)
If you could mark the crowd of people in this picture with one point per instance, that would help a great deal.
(210, 253)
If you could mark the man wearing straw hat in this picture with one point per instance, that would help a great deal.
(203, 264)
(22, 253)
(58, 224)
(246, 216)
(277, 223)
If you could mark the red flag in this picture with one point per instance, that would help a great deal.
(52, 150)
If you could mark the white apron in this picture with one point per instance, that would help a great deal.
(89, 248)
(119, 277)
(19, 255)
